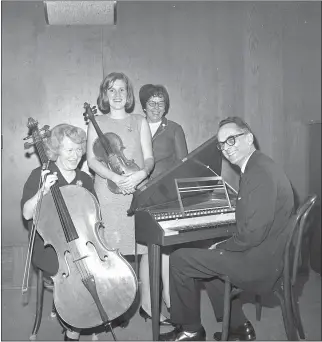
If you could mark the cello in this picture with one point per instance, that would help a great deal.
(94, 283)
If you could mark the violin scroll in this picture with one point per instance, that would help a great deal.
(90, 112)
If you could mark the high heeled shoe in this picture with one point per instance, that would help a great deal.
(146, 316)
(66, 338)
(121, 322)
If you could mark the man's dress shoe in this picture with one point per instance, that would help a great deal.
(244, 332)
(146, 316)
(178, 334)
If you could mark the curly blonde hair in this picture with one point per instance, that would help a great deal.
(57, 134)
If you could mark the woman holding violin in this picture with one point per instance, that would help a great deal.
(119, 139)
(64, 148)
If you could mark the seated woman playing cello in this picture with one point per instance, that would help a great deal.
(65, 148)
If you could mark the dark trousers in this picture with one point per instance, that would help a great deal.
(187, 267)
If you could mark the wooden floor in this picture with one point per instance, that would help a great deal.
(17, 320)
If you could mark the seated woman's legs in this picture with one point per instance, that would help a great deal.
(165, 279)
(71, 335)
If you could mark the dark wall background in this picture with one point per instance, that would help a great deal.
(257, 60)
(315, 187)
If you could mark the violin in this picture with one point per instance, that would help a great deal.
(94, 284)
(108, 149)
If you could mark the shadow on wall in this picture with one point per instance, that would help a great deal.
(256, 143)
(296, 198)
(315, 239)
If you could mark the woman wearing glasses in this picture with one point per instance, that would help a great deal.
(169, 148)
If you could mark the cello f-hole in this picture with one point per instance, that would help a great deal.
(105, 257)
(65, 275)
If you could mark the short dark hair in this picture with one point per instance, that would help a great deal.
(108, 81)
(237, 121)
(243, 125)
(149, 90)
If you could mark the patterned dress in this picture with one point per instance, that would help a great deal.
(119, 228)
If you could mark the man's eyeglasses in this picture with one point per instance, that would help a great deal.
(230, 141)
(155, 104)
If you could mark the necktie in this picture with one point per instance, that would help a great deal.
(240, 179)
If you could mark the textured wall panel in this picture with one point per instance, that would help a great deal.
(48, 73)
(226, 58)
(80, 12)
(13, 260)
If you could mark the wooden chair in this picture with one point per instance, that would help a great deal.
(43, 283)
(284, 289)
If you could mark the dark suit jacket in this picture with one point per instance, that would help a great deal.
(264, 205)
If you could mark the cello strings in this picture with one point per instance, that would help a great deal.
(65, 218)
(61, 207)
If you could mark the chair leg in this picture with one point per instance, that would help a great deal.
(289, 310)
(39, 305)
(258, 304)
(226, 318)
(286, 318)
(53, 313)
(136, 260)
(297, 317)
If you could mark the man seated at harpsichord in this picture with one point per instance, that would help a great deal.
(250, 258)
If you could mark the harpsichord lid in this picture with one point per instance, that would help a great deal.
(204, 161)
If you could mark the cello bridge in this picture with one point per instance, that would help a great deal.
(81, 258)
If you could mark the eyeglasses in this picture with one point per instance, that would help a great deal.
(230, 141)
(154, 104)
(70, 151)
